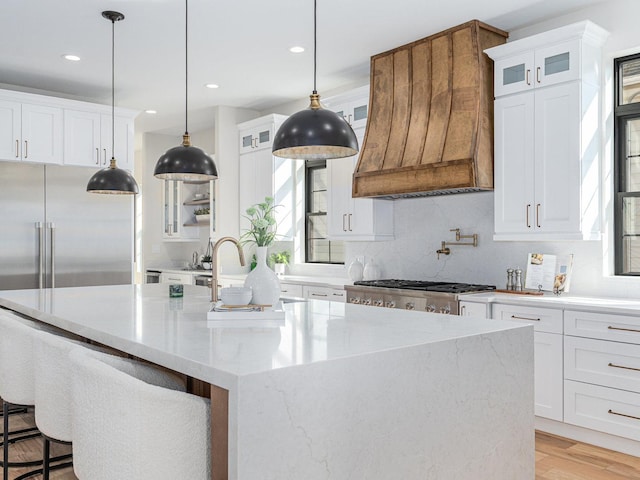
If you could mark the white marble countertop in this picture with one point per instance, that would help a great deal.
(628, 306)
(142, 320)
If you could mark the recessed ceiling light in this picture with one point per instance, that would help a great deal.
(150, 112)
(212, 85)
(296, 49)
(70, 57)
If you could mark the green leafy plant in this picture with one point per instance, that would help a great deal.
(206, 259)
(263, 223)
(280, 257)
(202, 211)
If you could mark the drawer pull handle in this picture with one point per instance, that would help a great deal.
(525, 318)
(319, 295)
(623, 415)
(623, 329)
(622, 366)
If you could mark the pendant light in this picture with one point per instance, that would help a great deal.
(186, 162)
(315, 133)
(112, 179)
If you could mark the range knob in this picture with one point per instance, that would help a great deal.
(354, 300)
(379, 303)
(367, 301)
(390, 304)
(446, 309)
(410, 306)
(431, 308)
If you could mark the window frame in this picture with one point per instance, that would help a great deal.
(313, 165)
(622, 115)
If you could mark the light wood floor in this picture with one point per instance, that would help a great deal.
(556, 458)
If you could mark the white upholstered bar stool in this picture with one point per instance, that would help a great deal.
(53, 392)
(131, 420)
(17, 378)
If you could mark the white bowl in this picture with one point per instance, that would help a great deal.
(236, 295)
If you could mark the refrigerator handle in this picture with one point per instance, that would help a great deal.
(52, 228)
(40, 254)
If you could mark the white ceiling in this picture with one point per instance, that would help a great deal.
(242, 45)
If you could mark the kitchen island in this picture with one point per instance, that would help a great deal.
(338, 391)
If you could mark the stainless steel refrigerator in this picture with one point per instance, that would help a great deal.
(55, 234)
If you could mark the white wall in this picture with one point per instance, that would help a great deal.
(421, 224)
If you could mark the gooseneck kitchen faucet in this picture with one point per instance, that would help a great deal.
(214, 264)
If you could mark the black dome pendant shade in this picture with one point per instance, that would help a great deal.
(112, 180)
(186, 162)
(315, 133)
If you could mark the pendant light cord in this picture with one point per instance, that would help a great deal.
(315, 44)
(186, 67)
(113, 89)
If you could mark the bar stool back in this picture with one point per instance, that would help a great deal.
(16, 377)
(131, 420)
(53, 391)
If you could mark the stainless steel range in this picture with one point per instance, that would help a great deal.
(439, 297)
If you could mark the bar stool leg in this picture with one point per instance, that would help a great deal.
(5, 440)
(45, 458)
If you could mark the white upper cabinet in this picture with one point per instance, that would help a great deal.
(547, 135)
(87, 139)
(29, 132)
(537, 68)
(41, 129)
(353, 106)
(351, 218)
(263, 175)
(257, 136)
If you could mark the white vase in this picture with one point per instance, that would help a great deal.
(263, 281)
(371, 271)
(355, 270)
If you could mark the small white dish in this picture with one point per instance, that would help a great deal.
(236, 295)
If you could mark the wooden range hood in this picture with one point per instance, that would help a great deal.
(430, 126)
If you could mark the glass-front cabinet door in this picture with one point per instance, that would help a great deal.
(514, 74)
(557, 63)
(540, 68)
(256, 139)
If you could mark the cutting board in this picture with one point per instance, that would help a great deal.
(520, 292)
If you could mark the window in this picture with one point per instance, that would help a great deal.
(318, 249)
(627, 165)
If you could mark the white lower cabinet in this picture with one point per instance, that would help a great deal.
(600, 362)
(548, 378)
(333, 294)
(602, 372)
(604, 409)
(473, 309)
(170, 277)
(288, 290)
(548, 352)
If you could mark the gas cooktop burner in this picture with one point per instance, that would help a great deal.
(447, 287)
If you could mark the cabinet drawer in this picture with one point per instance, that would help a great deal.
(291, 290)
(325, 293)
(600, 362)
(184, 278)
(604, 409)
(543, 319)
(605, 326)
